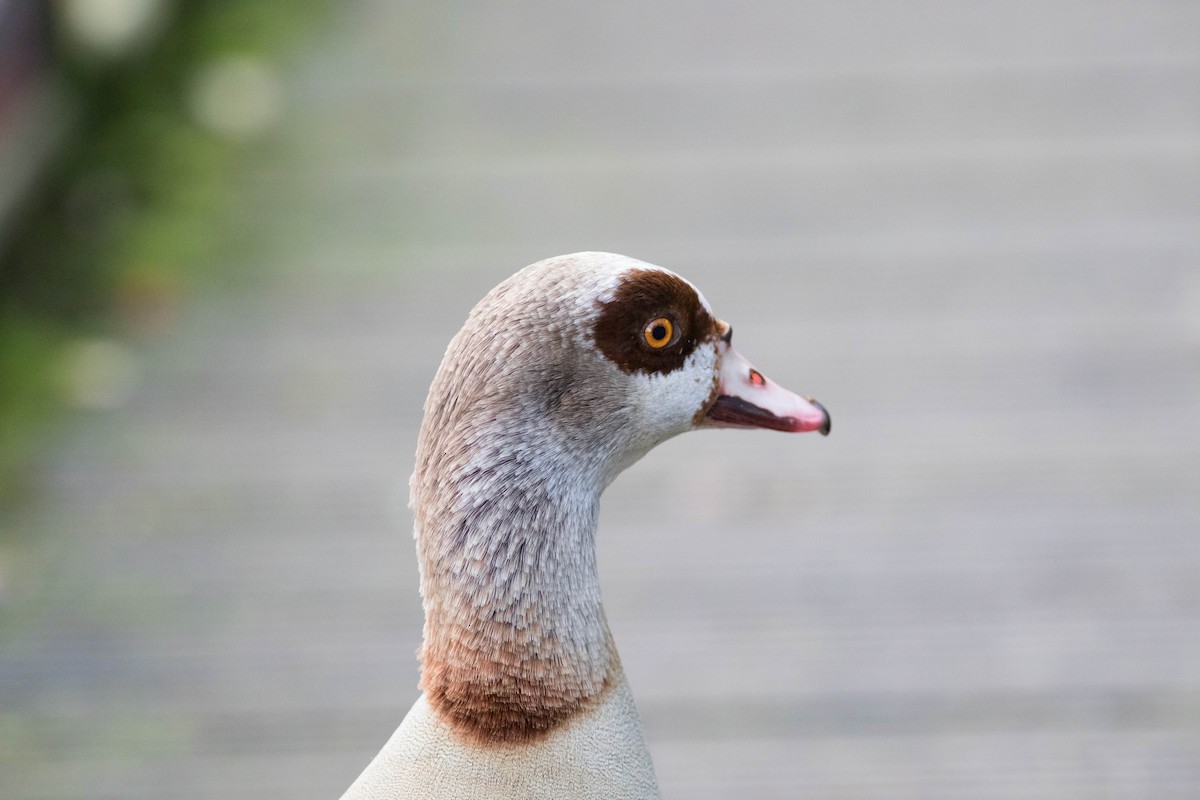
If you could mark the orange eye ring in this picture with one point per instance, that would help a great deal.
(659, 333)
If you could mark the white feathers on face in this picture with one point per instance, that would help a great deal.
(669, 403)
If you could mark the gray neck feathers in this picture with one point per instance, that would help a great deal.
(513, 454)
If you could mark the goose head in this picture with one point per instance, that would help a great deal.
(561, 377)
(600, 357)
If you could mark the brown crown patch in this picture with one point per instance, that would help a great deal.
(644, 295)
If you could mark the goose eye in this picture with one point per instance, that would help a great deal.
(659, 332)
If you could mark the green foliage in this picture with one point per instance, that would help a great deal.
(129, 217)
(28, 351)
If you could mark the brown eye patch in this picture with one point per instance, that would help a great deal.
(625, 331)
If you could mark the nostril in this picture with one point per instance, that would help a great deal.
(728, 337)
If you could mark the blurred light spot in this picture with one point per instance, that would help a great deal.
(237, 97)
(112, 27)
(99, 375)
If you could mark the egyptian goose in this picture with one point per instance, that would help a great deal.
(562, 376)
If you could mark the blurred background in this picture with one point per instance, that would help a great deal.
(236, 237)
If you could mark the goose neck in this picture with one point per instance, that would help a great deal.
(515, 635)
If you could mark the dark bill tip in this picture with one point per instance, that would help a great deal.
(828, 426)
